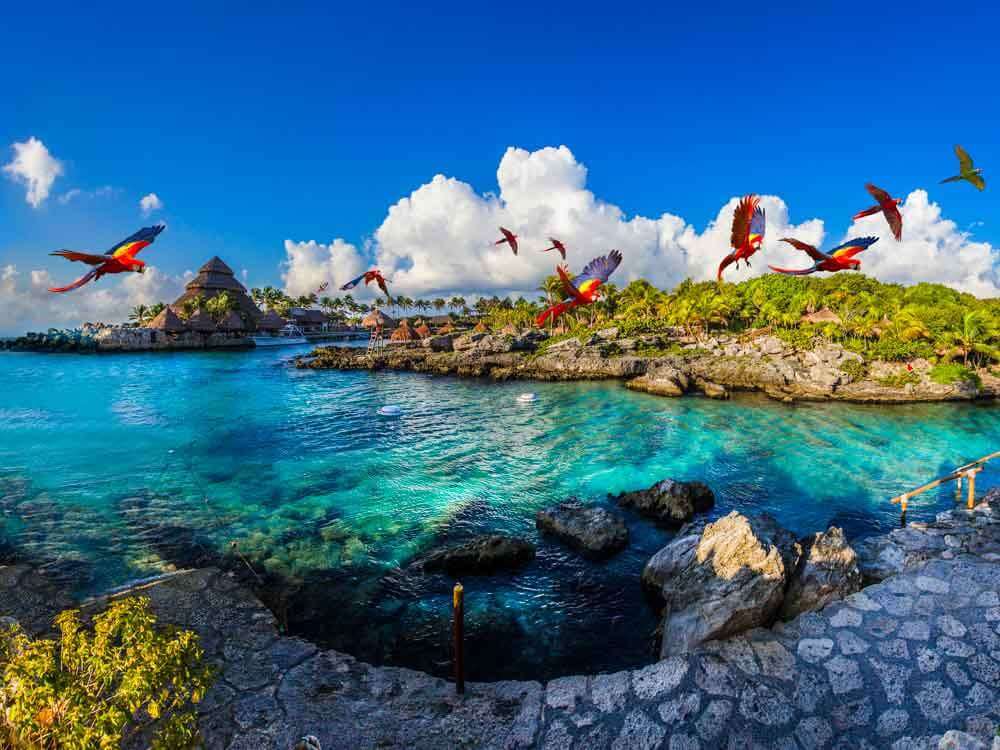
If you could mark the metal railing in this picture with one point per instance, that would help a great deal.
(968, 471)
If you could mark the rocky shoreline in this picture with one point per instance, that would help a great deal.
(910, 661)
(669, 365)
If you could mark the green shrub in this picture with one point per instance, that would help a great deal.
(95, 685)
(952, 372)
(900, 380)
(854, 369)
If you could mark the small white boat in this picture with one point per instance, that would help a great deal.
(290, 334)
(527, 398)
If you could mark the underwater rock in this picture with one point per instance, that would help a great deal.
(727, 580)
(479, 556)
(596, 532)
(828, 570)
(669, 501)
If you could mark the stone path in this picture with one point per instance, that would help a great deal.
(893, 666)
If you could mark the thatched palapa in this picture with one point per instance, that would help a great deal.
(481, 327)
(403, 333)
(202, 322)
(826, 315)
(446, 328)
(214, 278)
(270, 321)
(374, 318)
(232, 322)
(422, 331)
(168, 321)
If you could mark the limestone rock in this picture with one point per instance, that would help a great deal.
(662, 381)
(596, 532)
(728, 580)
(669, 501)
(828, 570)
(480, 555)
(441, 343)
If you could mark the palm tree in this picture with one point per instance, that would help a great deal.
(139, 315)
(974, 337)
(439, 304)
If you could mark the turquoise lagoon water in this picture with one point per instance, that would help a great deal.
(113, 468)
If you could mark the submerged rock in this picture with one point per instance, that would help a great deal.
(596, 532)
(669, 501)
(727, 580)
(828, 570)
(480, 555)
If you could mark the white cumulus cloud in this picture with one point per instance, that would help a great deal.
(149, 203)
(440, 239)
(34, 167)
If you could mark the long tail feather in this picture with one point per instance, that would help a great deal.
(793, 272)
(725, 262)
(76, 284)
(867, 212)
(553, 312)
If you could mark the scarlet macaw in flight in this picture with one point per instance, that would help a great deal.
(118, 259)
(509, 237)
(323, 287)
(747, 234)
(585, 288)
(887, 205)
(841, 258)
(966, 170)
(368, 276)
(556, 245)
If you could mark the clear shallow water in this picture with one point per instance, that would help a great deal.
(113, 467)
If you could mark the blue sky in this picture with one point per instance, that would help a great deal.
(259, 123)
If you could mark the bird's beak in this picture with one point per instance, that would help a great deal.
(142, 269)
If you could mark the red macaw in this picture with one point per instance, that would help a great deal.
(585, 288)
(556, 245)
(887, 205)
(323, 287)
(747, 234)
(509, 237)
(841, 258)
(368, 276)
(118, 259)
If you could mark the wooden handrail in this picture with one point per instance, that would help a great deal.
(968, 471)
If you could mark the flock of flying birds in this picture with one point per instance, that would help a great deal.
(585, 289)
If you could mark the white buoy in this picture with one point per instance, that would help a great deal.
(390, 411)
(527, 398)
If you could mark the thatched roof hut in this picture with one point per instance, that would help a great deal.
(446, 328)
(232, 322)
(422, 331)
(167, 320)
(202, 322)
(481, 327)
(403, 333)
(826, 315)
(270, 321)
(214, 278)
(374, 318)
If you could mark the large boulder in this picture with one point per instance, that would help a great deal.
(596, 532)
(480, 555)
(828, 570)
(663, 380)
(727, 580)
(467, 341)
(669, 501)
(440, 343)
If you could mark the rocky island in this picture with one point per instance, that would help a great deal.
(672, 364)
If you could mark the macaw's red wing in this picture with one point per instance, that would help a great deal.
(381, 285)
(811, 250)
(510, 238)
(89, 258)
(852, 247)
(790, 272)
(742, 217)
(352, 283)
(895, 220)
(569, 284)
(76, 284)
(728, 260)
(878, 193)
(130, 246)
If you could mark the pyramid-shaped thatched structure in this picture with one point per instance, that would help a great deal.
(232, 322)
(202, 322)
(167, 320)
(214, 278)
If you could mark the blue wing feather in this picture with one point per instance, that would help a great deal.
(757, 222)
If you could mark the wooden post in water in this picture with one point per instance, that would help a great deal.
(972, 487)
(458, 631)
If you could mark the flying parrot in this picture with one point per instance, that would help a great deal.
(748, 232)
(888, 206)
(323, 287)
(368, 276)
(966, 171)
(841, 258)
(583, 289)
(556, 245)
(119, 259)
(509, 237)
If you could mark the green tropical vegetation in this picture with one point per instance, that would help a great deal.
(97, 684)
(878, 320)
